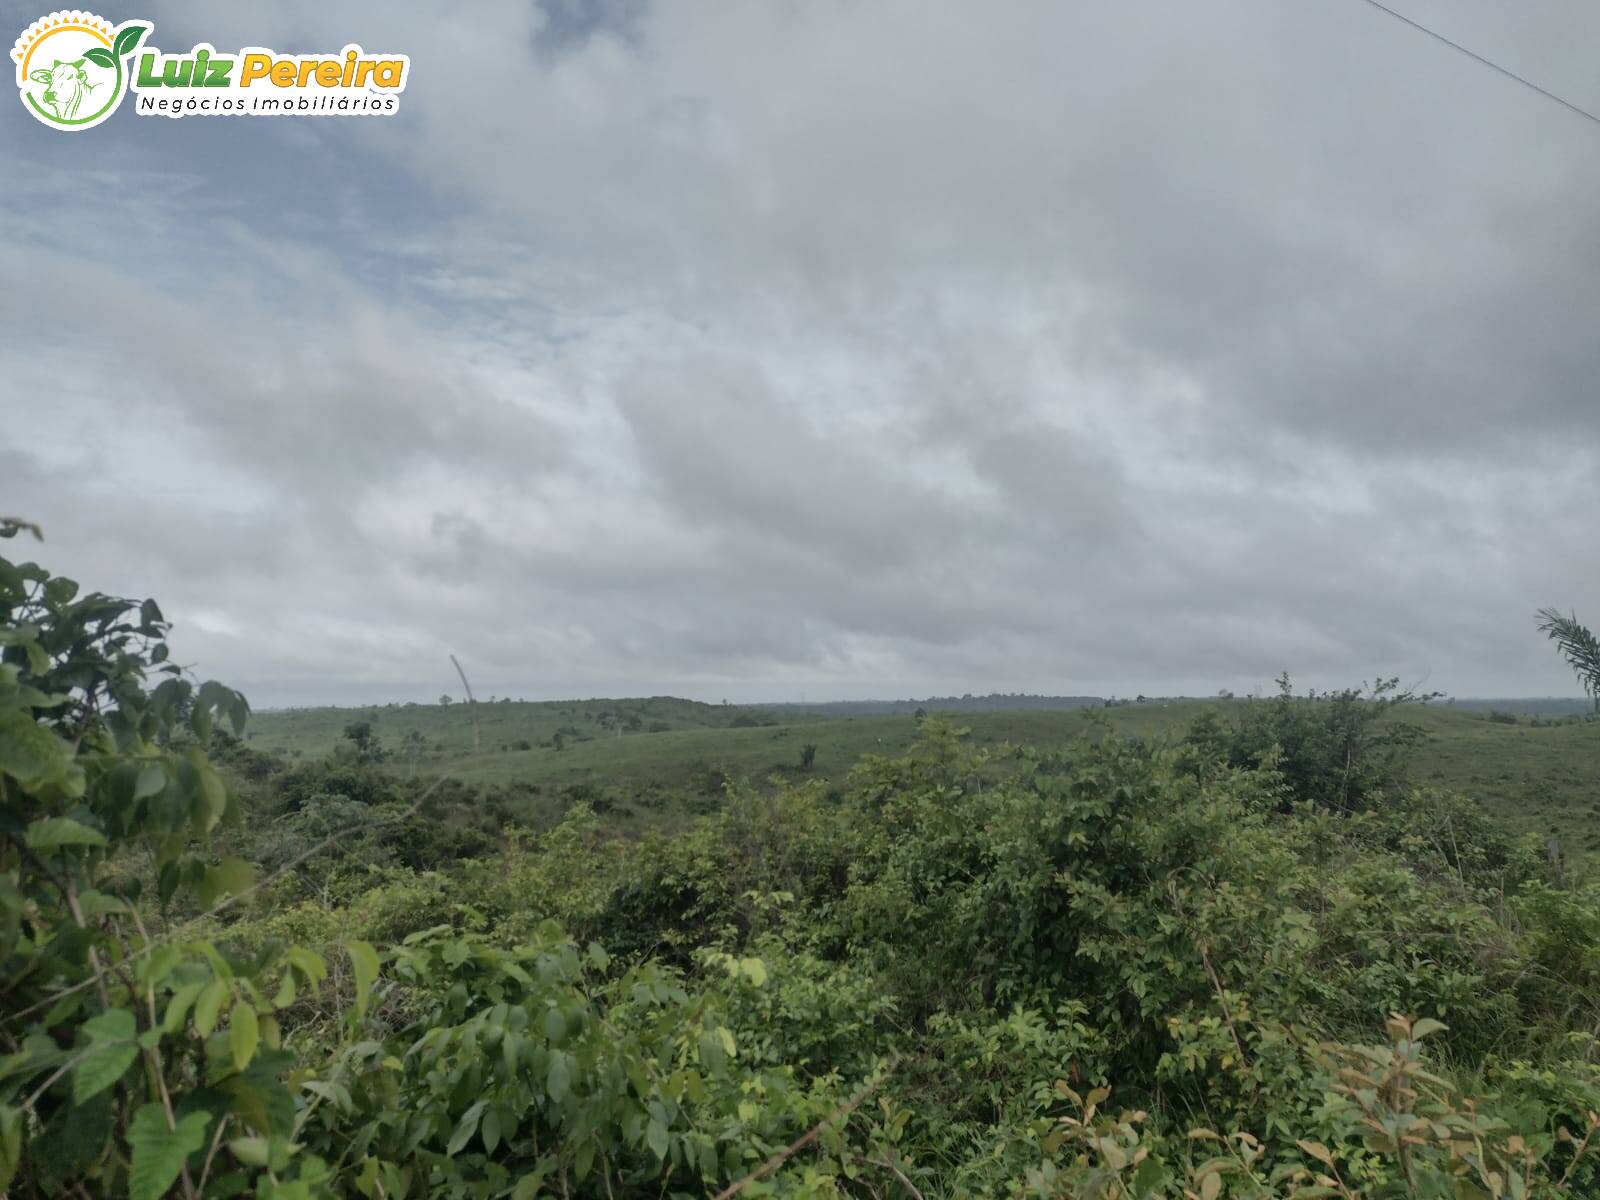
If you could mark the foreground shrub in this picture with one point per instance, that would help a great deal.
(531, 1070)
(134, 1049)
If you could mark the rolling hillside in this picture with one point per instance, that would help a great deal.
(648, 754)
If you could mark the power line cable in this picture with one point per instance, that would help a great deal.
(1509, 74)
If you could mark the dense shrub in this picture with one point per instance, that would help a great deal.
(1341, 750)
(132, 1045)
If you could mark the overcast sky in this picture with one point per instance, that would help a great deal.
(829, 349)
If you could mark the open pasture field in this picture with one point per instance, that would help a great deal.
(1542, 778)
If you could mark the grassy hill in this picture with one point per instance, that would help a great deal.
(650, 755)
(993, 702)
(448, 730)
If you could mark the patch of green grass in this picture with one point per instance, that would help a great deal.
(1542, 779)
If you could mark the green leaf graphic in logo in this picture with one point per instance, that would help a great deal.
(128, 39)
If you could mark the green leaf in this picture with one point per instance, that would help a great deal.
(259, 1098)
(656, 1137)
(49, 833)
(238, 713)
(178, 1007)
(102, 1064)
(364, 960)
(126, 41)
(100, 56)
(491, 1129)
(1150, 1178)
(158, 1152)
(98, 904)
(465, 1128)
(555, 1025)
(160, 964)
(11, 1124)
(251, 1151)
(110, 1053)
(334, 1093)
(244, 1035)
(151, 782)
(209, 1005)
(211, 800)
(530, 1185)
(38, 660)
(559, 1081)
(38, 1052)
(308, 962)
(113, 1025)
(35, 757)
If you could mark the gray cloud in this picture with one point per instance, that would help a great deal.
(852, 349)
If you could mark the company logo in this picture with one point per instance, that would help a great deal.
(73, 69)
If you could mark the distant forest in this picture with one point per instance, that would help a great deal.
(1531, 705)
(999, 701)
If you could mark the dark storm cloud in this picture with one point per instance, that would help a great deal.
(851, 348)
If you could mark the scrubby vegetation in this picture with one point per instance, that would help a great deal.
(1256, 959)
(1540, 775)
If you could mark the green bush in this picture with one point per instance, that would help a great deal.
(134, 1048)
(1341, 750)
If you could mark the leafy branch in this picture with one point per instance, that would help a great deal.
(1577, 645)
(173, 934)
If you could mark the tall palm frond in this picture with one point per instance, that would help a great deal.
(1578, 646)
